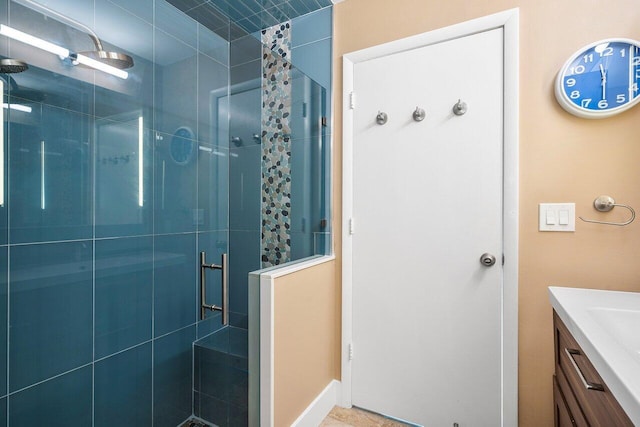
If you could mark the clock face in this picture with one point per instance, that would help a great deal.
(601, 79)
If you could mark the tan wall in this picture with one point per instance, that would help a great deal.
(562, 158)
(307, 345)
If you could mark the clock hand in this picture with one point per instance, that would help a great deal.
(603, 73)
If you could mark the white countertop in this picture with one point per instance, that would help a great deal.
(606, 324)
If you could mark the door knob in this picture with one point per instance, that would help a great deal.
(487, 259)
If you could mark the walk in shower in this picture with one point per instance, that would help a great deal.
(199, 136)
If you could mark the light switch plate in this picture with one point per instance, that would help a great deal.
(557, 217)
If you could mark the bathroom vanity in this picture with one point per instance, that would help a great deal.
(597, 357)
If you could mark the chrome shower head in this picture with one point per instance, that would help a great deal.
(11, 66)
(117, 60)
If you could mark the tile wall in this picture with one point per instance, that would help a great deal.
(111, 187)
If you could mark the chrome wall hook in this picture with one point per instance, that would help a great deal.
(419, 114)
(605, 204)
(460, 108)
(381, 118)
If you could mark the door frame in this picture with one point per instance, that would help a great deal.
(509, 22)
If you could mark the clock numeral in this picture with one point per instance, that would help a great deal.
(570, 82)
(638, 73)
(603, 104)
(577, 69)
(620, 99)
(607, 51)
(623, 52)
(636, 60)
(585, 102)
(634, 87)
(575, 94)
(588, 58)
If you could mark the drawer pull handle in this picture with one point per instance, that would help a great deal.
(587, 384)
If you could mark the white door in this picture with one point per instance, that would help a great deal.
(427, 203)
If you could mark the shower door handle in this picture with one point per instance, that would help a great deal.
(224, 308)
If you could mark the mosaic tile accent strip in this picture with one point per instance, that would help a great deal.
(276, 145)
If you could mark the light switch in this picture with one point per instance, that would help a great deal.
(563, 217)
(551, 217)
(557, 217)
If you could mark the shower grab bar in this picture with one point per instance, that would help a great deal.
(224, 308)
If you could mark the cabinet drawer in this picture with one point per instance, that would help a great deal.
(592, 395)
(562, 416)
(570, 401)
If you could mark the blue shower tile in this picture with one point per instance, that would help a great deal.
(247, 74)
(172, 384)
(245, 182)
(3, 412)
(234, 9)
(213, 189)
(281, 13)
(140, 8)
(311, 27)
(185, 5)
(123, 388)
(176, 174)
(120, 100)
(314, 59)
(123, 303)
(123, 185)
(302, 7)
(213, 45)
(4, 230)
(51, 310)
(213, 81)
(250, 25)
(211, 18)
(244, 257)
(3, 322)
(245, 49)
(252, 5)
(174, 282)
(50, 191)
(119, 23)
(60, 402)
(175, 23)
(175, 96)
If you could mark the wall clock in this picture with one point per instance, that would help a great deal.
(600, 79)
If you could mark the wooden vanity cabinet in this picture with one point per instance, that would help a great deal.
(581, 398)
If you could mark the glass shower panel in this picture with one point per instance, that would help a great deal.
(309, 217)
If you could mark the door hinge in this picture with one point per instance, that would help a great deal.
(323, 122)
(502, 259)
(351, 226)
(352, 101)
(350, 351)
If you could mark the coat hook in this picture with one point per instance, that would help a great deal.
(605, 204)
(419, 114)
(460, 108)
(381, 118)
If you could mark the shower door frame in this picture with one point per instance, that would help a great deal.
(509, 22)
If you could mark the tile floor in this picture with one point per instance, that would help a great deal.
(355, 417)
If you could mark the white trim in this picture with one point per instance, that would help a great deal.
(320, 407)
(509, 21)
(267, 349)
(262, 301)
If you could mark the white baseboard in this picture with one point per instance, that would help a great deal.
(320, 407)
